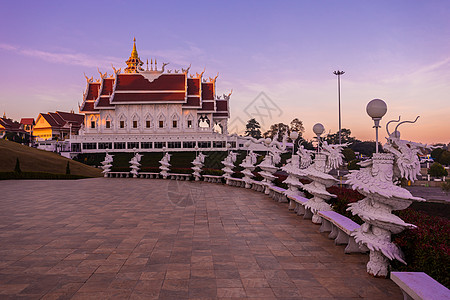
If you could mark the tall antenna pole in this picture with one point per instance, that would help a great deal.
(339, 73)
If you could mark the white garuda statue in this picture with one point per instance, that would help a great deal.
(376, 182)
(335, 158)
(305, 157)
(406, 153)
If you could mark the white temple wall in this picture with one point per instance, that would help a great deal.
(148, 119)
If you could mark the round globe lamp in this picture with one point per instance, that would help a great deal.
(376, 109)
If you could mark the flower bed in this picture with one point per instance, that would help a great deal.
(426, 248)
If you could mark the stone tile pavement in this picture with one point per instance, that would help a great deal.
(109, 238)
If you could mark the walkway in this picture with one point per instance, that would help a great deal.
(162, 239)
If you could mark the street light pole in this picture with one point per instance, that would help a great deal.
(339, 73)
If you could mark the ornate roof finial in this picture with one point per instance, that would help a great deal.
(156, 68)
(151, 64)
(134, 63)
(134, 53)
(4, 114)
(147, 64)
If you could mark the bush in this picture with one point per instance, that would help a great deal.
(437, 170)
(353, 165)
(446, 186)
(17, 167)
(426, 248)
(213, 172)
(344, 197)
(349, 154)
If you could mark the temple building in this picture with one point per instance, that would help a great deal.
(152, 109)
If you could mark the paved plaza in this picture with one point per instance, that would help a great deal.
(126, 238)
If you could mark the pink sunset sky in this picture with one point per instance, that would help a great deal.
(398, 51)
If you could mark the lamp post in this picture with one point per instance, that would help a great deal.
(318, 129)
(376, 109)
(293, 136)
(339, 73)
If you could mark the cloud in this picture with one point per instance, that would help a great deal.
(75, 59)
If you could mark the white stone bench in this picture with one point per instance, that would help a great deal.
(175, 176)
(212, 178)
(341, 228)
(239, 182)
(299, 202)
(118, 174)
(258, 186)
(148, 175)
(277, 193)
(418, 285)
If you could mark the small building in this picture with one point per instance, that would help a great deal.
(28, 124)
(57, 126)
(13, 130)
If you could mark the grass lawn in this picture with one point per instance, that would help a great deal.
(35, 160)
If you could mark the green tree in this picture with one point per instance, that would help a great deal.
(353, 165)
(17, 167)
(253, 129)
(297, 125)
(437, 170)
(345, 137)
(444, 158)
(366, 147)
(349, 154)
(279, 128)
(436, 153)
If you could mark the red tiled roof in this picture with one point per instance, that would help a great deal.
(220, 114)
(88, 106)
(93, 90)
(221, 105)
(148, 97)
(193, 86)
(11, 125)
(108, 84)
(50, 120)
(103, 102)
(207, 90)
(57, 118)
(71, 117)
(207, 106)
(137, 82)
(193, 102)
(27, 121)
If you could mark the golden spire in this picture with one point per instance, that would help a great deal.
(134, 53)
(134, 63)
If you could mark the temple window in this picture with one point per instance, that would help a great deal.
(174, 144)
(92, 124)
(135, 124)
(108, 124)
(189, 123)
(161, 124)
(174, 123)
(148, 124)
(146, 145)
(202, 144)
(132, 145)
(160, 145)
(122, 124)
(188, 144)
